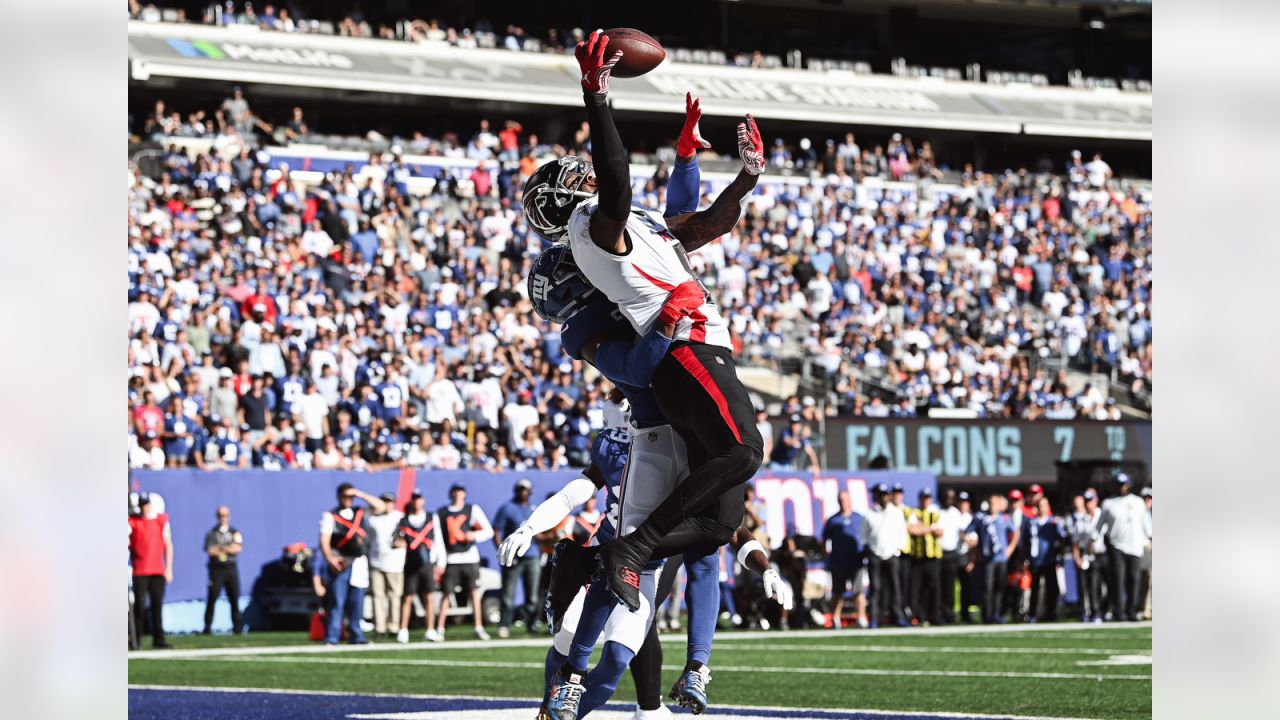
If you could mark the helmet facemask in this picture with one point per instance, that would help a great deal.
(549, 200)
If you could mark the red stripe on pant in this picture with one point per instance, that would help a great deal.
(690, 363)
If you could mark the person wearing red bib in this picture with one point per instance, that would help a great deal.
(151, 554)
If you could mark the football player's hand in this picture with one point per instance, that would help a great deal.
(778, 589)
(687, 297)
(691, 140)
(515, 545)
(750, 146)
(591, 60)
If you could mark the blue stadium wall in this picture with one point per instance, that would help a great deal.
(276, 509)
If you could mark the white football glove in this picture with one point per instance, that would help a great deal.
(778, 589)
(515, 546)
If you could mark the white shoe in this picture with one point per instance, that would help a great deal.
(662, 713)
(862, 622)
(402, 637)
(674, 624)
(481, 634)
(432, 636)
(737, 622)
(503, 633)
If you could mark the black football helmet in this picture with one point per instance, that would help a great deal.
(552, 193)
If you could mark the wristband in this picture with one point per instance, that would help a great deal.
(750, 547)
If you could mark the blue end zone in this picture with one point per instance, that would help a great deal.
(173, 704)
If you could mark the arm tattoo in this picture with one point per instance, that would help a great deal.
(697, 229)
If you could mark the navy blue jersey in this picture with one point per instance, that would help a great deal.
(609, 453)
(602, 317)
(843, 534)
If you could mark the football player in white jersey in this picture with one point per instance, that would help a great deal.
(637, 258)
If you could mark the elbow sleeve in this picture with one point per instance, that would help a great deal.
(609, 158)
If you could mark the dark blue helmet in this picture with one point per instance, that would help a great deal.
(557, 287)
(552, 193)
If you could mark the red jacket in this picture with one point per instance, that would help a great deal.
(146, 543)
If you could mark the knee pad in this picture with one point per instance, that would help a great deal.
(746, 460)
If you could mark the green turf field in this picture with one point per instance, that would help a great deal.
(1072, 671)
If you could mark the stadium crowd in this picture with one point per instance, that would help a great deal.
(350, 323)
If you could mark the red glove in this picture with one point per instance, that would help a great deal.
(687, 297)
(690, 137)
(750, 146)
(595, 69)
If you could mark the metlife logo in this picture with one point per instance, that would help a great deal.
(273, 56)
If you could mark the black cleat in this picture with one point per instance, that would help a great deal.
(571, 566)
(622, 562)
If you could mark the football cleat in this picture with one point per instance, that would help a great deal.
(621, 562)
(566, 693)
(691, 689)
(571, 566)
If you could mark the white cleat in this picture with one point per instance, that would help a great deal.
(402, 637)
(433, 636)
(481, 634)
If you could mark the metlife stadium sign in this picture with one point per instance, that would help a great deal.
(249, 56)
(238, 51)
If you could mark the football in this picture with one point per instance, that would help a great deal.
(640, 52)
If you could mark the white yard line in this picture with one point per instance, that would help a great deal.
(1080, 631)
(728, 708)
(922, 649)
(442, 662)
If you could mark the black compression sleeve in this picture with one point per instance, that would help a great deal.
(613, 178)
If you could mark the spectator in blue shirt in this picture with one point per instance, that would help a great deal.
(844, 559)
(793, 442)
(526, 569)
(992, 539)
(1042, 540)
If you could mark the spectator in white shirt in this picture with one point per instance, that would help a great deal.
(313, 411)
(386, 564)
(1089, 554)
(145, 453)
(1128, 529)
(884, 534)
(953, 520)
(443, 400)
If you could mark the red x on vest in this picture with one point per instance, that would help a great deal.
(419, 536)
(352, 526)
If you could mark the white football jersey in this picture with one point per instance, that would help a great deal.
(640, 280)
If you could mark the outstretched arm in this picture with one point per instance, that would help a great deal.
(613, 179)
(685, 181)
(698, 229)
(550, 513)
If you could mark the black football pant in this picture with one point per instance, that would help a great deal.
(219, 578)
(1090, 589)
(995, 576)
(148, 593)
(698, 390)
(950, 573)
(1044, 592)
(1125, 576)
(926, 574)
(886, 588)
